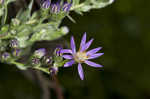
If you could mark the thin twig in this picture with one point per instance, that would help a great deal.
(44, 86)
(57, 87)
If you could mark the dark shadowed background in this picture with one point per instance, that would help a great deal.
(123, 30)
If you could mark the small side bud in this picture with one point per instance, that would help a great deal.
(5, 56)
(53, 70)
(47, 60)
(57, 51)
(15, 22)
(55, 8)
(46, 4)
(40, 53)
(35, 61)
(14, 43)
(66, 7)
(16, 52)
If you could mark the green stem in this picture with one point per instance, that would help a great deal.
(46, 70)
(77, 6)
(6, 12)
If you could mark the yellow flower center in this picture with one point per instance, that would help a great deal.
(80, 57)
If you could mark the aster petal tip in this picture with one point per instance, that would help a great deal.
(73, 47)
(93, 51)
(88, 44)
(80, 71)
(83, 42)
(95, 55)
(84, 35)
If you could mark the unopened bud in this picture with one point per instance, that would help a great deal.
(57, 51)
(16, 52)
(35, 61)
(14, 43)
(5, 56)
(53, 70)
(46, 4)
(15, 22)
(47, 60)
(66, 7)
(40, 52)
(55, 8)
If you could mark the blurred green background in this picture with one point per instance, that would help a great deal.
(122, 29)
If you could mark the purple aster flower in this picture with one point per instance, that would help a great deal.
(46, 4)
(82, 55)
(47, 60)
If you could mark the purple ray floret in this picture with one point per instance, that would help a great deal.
(83, 41)
(73, 47)
(82, 55)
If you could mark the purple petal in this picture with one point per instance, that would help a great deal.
(93, 64)
(95, 55)
(67, 56)
(70, 63)
(73, 47)
(83, 41)
(80, 71)
(66, 51)
(93, 51)
(87, 45)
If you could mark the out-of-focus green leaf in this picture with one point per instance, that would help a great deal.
(87, 5)
(48, 32)
(24, 16)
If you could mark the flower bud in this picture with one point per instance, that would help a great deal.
(40, 53)
(57, 51)
(47, 60)
(46, 4)
(5, 56)
(16, 52)
(53, 70)
(35, 61)
(66, 7)
(14, 43)
(55, 8)
(15, 22)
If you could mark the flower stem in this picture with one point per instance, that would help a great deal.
(5, 15)
(57, 87)
(77, 6)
